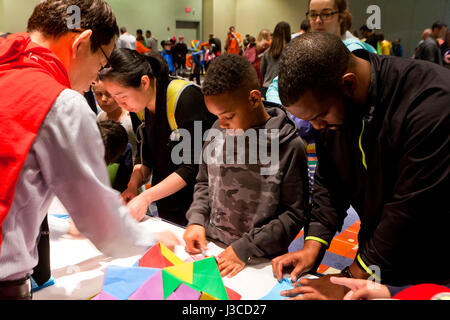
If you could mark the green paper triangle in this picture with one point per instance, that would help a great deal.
(207, 278)
(170, 283)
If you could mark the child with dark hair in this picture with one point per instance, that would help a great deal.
(254, 205)
(118, 153)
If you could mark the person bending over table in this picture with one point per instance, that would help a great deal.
(383, 148)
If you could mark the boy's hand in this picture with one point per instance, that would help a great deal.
(229, 263)
(195, 238)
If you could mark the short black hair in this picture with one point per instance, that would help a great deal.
(51, 18)
(228, 73)
(314, 61)
(115, 139)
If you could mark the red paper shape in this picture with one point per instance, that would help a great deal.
(154, 259)
(233, 295)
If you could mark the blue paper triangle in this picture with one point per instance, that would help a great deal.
(122, 282)
(274, 294)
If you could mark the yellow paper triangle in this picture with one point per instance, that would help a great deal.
(169, 255)
(206, 296)
(184, 272)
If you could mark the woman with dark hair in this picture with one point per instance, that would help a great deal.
(142, 83)
(269, 65)
(333, 16)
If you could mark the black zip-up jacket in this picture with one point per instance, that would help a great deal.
(394, 171)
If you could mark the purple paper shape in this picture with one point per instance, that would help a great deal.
(104, 296)
(152, 289)
(184, 292)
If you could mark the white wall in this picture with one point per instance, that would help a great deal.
(254, 15)
(14, 14)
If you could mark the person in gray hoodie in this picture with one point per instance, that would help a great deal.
(252, 186)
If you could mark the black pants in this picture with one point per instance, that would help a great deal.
(16, 290)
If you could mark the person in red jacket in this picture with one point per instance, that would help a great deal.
(50, 144)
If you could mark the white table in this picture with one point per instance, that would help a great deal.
(78, 267)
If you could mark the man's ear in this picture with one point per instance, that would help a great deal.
(255, 98)
(81, 41)
(349, 84)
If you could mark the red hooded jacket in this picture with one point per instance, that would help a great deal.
(31, 78)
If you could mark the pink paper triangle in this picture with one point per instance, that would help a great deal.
(184, 293)
(104, 296)
(152, 289)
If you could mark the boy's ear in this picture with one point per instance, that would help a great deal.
(255, 98)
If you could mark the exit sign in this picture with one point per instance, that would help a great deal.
(188, 9)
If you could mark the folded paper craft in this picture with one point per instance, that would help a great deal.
(159, 256)
(121, 282)
(161, 275)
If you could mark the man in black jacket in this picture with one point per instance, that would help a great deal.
(382, 145)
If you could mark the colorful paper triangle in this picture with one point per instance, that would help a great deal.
(183, 292)
(152, 289)
(121, 282)
(184, 272)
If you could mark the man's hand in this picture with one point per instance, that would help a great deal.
(168, 239)
(296, 263)
(229, 263)
(316, 289)
(195, 238)
(362, 289)
(138, 207)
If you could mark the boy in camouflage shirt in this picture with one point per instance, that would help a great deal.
(251, 195)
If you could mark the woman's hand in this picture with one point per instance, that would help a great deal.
(138, 207)
(129, 194)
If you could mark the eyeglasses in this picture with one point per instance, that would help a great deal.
(323, 15)
(108, 63)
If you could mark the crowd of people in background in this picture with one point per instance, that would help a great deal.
(191, 59)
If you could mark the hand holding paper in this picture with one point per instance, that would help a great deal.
(195, 238)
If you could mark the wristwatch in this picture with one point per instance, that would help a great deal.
(347, 273)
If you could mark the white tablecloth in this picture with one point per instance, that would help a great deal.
(78, 267)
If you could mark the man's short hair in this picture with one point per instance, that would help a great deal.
(123, 30)
(315, 62)
(115, 139)
(53, 18)
(229, 73)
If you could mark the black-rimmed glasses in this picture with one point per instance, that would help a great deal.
(323, 15)
(108, 63)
